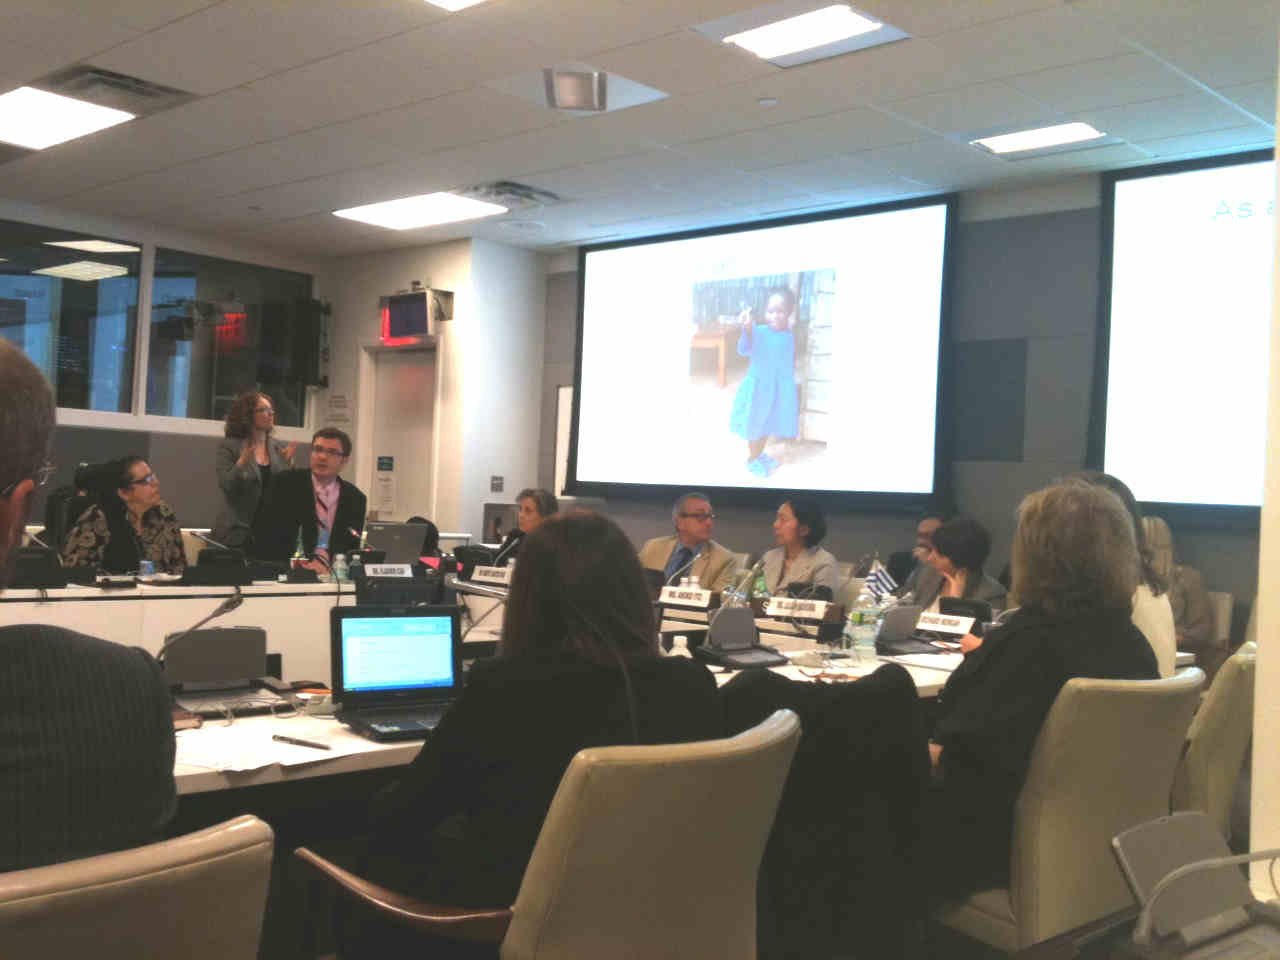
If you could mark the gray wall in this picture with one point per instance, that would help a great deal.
(1023, 318)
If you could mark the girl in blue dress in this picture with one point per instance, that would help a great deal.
(766, 403)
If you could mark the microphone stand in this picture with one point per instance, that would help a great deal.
(226, 606)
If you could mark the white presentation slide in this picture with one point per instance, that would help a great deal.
(1190, 324)
(385, 653)
(798, 357)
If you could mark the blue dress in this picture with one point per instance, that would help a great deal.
(766, 403)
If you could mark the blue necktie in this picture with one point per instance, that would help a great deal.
(678, 559)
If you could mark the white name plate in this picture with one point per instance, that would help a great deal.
(796, 607)
(685, 597)
(402, 570)
(943, 623)
(500, 576)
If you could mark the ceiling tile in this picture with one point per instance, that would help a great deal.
(979, 107)
(1257, 98)
(1169, 117)
(683, 62)
(180, 56)
(618, 175)
(922, 18)
(1052, 37)
(1075, 161)
(1226, 59)
(845, 132)
(1250, 137)
(1103, 83)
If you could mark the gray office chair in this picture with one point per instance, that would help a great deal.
(595, 888)
(198, 897)
(1103, 761)
(1218, 741)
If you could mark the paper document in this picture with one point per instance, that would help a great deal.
(934, 661)
(248, 746)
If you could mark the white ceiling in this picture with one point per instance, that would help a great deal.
(308, 106)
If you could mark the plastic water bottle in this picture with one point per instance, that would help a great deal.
(680, 646)
(760, 588)
(341, 572)
(355, 570)
(864, 620)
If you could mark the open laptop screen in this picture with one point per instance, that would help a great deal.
(406, 652)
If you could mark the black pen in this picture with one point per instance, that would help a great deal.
(299, 743)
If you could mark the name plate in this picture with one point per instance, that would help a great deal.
(498, 576)
(944, 623)
(685, 597)
(796, 607)
(402, 570)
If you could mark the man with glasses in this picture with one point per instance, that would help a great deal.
(315, 504)
(691, 552)
(86, 735)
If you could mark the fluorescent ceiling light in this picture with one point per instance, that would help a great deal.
(454, 5)
(1040, 138)
(426, 210)
(93, 246)
(84, 270)
(817, 28)
(36, 119)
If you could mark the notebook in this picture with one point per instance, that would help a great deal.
(395, 669)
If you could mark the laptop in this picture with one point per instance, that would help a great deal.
(395, 669)
(401, 542)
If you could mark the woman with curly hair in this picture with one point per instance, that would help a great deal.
(246, 461)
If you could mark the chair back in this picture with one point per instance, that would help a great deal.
(191, 546)
(1217, 741)
(198, 897)
(653, 851)
(1221, 606)
(1103, 762)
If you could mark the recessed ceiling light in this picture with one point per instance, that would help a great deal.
(1040, 138)
(454, 5)
(36, 119)
(426, 210)
(84, 270)
(93, 246)
(818, 28)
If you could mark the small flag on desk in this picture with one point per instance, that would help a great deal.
(879, 583)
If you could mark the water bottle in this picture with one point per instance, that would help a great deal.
(341, 572)
(355, 570)
(760, 588)
(680, 646)
(693, 582)
(864, 620)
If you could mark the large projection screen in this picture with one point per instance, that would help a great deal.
(798, 355)
(1185, 330)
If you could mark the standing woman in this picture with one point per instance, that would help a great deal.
(246, 460)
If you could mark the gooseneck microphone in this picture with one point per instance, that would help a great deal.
(508, 548)
(211, 542)
(226, 606)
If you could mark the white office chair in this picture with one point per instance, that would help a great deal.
(1103, 761)
(596, 889)
(197, 897)
(1221, 604)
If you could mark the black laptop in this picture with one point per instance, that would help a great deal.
(395, 669)
(401, 542)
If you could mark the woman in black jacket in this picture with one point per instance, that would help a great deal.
(1075, 566)
(578, 666)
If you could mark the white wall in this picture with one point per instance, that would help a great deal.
(488, 364)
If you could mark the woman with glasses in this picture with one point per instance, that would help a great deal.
(127, 524)
(246, 461)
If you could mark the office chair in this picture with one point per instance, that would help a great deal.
(1217, 742)
(1104, 761)
(592, 889)
(198, 897)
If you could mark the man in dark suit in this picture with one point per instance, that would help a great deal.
(86, 734)
(316, 504)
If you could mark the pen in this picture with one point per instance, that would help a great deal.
(298, 742)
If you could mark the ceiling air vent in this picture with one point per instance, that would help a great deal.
(513, 196)
(109, 89)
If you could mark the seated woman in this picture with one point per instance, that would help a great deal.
(535, 505)
(960, 548)
(1188, 599)
(1075, 566)
(577, 666)
(129, 523)
(797, 561)
(1152, 599)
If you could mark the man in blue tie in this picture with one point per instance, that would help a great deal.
(691, 552)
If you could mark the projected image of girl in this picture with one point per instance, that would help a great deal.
(767, 402)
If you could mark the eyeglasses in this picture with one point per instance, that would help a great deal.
(698, 516)
(264, 410)
(150, 478)
(328, 451)
(44, 473)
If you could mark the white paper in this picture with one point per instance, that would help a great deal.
(242, 747)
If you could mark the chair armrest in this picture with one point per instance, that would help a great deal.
(455, 923)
